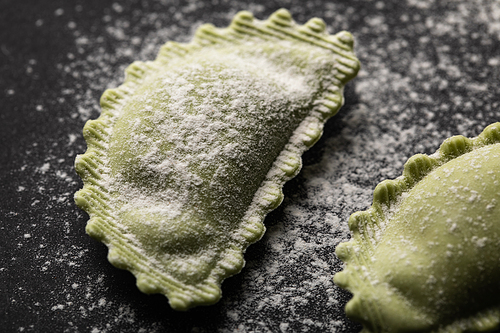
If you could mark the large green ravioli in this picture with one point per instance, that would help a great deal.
(192, 151)
(426, 256)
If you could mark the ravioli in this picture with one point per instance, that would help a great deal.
(426, 256)
(191, 152)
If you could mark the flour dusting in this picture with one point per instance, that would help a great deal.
(429, 71)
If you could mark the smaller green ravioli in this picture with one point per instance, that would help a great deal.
(426, 256)
(191, 152)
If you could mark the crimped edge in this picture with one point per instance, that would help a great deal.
(95, 199)
(386, 198)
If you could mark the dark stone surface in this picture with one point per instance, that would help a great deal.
(430, 70)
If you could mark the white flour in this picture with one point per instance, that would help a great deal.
(430, 74)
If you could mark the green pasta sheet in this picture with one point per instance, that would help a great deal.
(426, 256)
(192, 151)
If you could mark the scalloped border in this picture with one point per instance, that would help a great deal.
(95, 199)
(386, 198)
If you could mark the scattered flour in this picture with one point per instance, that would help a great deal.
(415, 81)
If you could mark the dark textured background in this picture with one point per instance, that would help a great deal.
(430, 70)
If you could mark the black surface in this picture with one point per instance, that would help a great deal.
(54, 278)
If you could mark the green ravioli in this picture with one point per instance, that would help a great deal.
(192, 151)
(426, 256)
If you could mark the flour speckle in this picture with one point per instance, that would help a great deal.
(429, 71)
